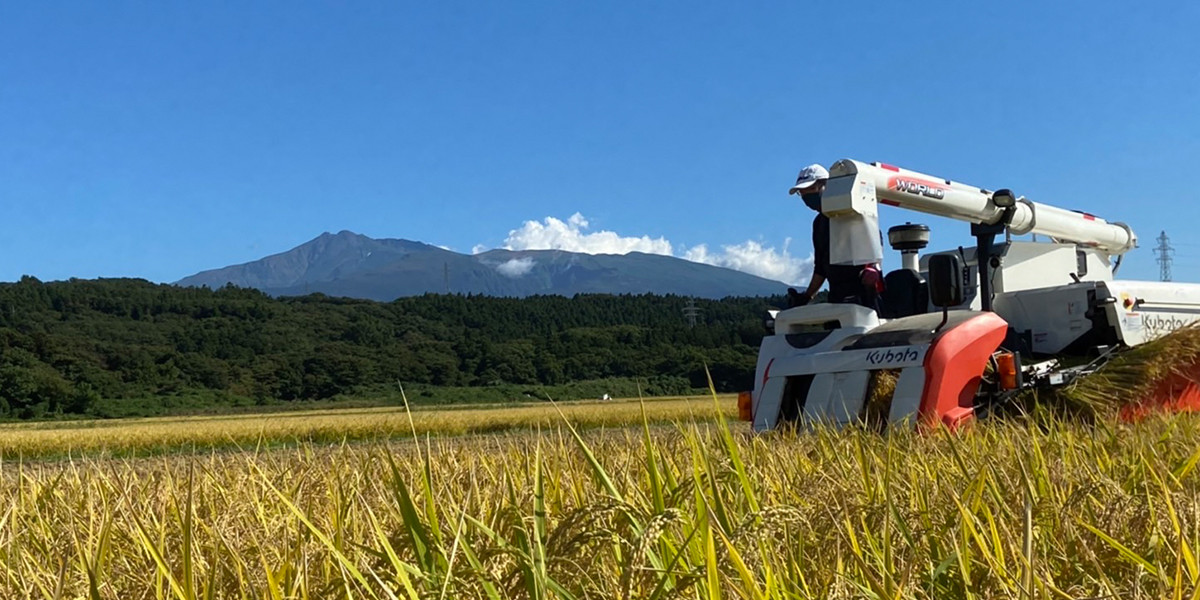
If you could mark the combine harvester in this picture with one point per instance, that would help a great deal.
(959, 331)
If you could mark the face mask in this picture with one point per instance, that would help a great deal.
(813, 201)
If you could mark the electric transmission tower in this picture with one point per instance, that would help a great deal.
(691, 312)
(1164, 251)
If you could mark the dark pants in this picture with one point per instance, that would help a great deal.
(846, 287)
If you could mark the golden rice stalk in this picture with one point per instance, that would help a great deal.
(1133, 375)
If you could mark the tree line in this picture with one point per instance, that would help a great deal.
(70, 347)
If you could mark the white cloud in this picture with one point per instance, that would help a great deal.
(754, 258)
(553, 234)
(571, 235)
(516, 267)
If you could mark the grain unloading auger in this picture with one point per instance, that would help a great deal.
(947, 317)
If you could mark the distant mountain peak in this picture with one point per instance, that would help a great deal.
(354, 265)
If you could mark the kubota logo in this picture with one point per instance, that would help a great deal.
(1159, 324)
(918, 187)
(887, 357)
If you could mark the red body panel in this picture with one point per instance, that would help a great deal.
(953, 367)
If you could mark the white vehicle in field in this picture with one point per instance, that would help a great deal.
(947, 315)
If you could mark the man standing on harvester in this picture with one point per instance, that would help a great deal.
(851, 284)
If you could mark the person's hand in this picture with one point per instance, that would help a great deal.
(797, 298)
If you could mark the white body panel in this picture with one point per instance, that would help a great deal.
(767, 401)
(785, 361)
(1058, 316)
(1055, 317)
(1035, 292)
(1144, 310)
(1029, 266)
(768, 394)
(801, 318)
(907, 397)
(809, 362)
(836, 398)
(812, 349)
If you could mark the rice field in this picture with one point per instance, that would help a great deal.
(139, 437)
(697, 509)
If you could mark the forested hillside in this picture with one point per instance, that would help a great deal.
(75, 346)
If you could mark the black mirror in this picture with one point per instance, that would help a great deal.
(945, 280)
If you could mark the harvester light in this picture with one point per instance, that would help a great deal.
(744, 408)
(1004, 198)
(1006, 368)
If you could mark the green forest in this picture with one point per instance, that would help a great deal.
(118, 347)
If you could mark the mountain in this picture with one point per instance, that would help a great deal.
(353, 265)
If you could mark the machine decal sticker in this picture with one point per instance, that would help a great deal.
(917, 187)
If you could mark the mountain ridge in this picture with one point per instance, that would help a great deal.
(357, 266)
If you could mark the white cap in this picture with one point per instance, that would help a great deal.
(808, 176)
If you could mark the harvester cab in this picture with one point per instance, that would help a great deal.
(958, 331)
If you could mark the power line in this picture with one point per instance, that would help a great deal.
(1164, 251)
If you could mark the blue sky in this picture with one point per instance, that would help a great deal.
(156, 140)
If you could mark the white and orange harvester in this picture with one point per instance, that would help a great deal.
(946, 316)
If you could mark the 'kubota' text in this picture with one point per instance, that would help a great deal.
(1160, 324)
(889, 357)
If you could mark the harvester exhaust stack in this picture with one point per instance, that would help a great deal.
(908, 240)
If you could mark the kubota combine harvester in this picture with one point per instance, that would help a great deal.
(962, 330)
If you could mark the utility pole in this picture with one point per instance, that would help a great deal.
(1164, 251)
(446, 276)
(691, 312)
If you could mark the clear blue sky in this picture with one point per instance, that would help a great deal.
(159, 139)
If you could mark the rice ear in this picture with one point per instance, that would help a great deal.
(1131, 379)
